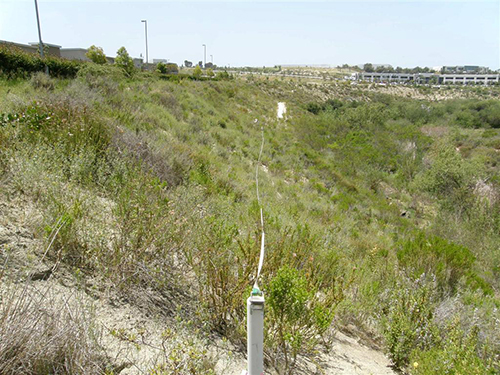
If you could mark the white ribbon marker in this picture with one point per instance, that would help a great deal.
(262, 251)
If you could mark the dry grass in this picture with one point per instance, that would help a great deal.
(41, 333)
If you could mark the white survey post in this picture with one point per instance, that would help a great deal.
(281, 110)
(255, 333)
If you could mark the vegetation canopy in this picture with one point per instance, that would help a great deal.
(96, 55)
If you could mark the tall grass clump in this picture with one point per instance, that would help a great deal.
(41, 334)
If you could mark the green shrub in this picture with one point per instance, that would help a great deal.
(15, 62)
(408, 322)
(424, 254)
(102, 78)
(479, 114)
(456, 353)
(168, 68)
(314, 108)
(96, 55)
(223, 266)
(297, 316)
(105, 71)
(449, 176)
(55, 124)
(334, 104)
(223, 76)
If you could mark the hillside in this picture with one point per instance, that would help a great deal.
(133, 200)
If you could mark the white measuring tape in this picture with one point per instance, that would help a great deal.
(262, 241)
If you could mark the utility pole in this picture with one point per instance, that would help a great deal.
(40, 43)
(146, 33)
(204, 56)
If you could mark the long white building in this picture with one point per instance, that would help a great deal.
(456, 79)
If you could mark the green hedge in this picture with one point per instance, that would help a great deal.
(14, 62)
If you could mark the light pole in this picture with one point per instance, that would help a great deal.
(40, 36)
(39, 30)
(146, 32)
(204, 55)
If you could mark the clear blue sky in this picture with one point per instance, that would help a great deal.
(241, 33)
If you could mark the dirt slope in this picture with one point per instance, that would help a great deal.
(132, 338)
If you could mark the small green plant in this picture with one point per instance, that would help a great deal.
(183, 356)
(224, 76)
(449, 175)
(314, 108)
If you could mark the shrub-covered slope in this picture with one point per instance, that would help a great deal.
(380, 212)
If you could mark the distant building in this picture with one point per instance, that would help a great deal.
(74, 54)
(385, 77)
(137, 62)
(156, 61)
(465, 79)
(424, 78)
